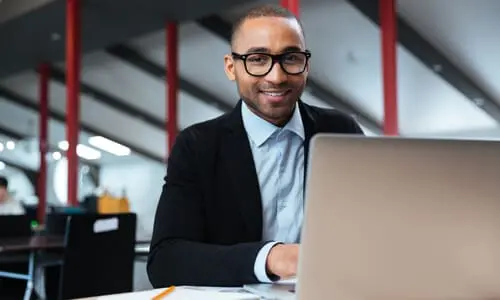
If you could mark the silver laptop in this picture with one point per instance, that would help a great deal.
(397, 218)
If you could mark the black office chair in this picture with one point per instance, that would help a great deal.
(51, 260)
(56, 224)
(99, 255)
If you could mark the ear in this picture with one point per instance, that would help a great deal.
(229, 67)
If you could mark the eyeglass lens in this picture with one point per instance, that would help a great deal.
(260, 64)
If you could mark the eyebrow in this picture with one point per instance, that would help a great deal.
(266, 50)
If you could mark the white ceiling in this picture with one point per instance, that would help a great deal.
(349, 62)
(466, 31)
(346, 60)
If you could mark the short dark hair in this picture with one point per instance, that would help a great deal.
(4, 182)
(265, 10)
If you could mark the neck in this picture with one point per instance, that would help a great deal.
(279, 122)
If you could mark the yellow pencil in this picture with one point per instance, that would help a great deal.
(164, 293)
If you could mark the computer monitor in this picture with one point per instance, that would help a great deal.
(12, 226)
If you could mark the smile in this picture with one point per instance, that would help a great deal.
(275, 94)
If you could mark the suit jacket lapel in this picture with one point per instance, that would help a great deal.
(310, 128)
(242, 173)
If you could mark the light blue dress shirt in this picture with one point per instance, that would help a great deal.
(278, 155)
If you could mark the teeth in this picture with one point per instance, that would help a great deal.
(274, 94)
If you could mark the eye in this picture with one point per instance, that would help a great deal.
(257, 59)
(294, 58)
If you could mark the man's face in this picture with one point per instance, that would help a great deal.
(273, 96)
(3, 193)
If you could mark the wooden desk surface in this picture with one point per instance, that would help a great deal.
(31, 243)
(17, 244)
(184, 292)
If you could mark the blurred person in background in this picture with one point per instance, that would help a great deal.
(8, 205)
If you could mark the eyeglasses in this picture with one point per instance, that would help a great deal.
(260, 64)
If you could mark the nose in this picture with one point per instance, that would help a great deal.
(276, 75)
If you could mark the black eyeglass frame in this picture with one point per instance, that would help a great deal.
(275, 58)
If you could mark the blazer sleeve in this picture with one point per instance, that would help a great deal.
(179, 253)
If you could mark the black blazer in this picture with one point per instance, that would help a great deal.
(208, 224)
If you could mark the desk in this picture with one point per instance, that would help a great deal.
(184, 293)
(31, 245)
(20, 244)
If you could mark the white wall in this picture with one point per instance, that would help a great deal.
(57, 182)
(143, 183)
(57, 187)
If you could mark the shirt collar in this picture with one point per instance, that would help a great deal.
(260, 130)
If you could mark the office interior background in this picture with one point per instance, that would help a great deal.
(446, 83)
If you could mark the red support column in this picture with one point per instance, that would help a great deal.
(43, 91)
(73, 54)
(172, 82)
(284, 3)
(388, 28)
(293, 6)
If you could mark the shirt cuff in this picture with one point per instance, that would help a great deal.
(259, 268)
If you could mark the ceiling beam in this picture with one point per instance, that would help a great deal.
(11, 134)
(219, 27)
(434, 59)
(112, 102)
(32, 106)
(138, 60)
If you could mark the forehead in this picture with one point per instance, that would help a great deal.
(272, 33)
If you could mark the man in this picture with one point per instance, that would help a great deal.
(232, 205)
(8, 205)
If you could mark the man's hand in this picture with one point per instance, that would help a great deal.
(282, 260)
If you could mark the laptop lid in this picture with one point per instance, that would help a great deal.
(399, 218)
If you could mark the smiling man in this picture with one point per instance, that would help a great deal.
(232, 204)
